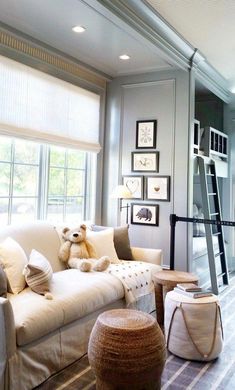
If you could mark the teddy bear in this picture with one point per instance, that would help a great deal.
(79, 253)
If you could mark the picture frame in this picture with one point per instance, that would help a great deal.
(146, 134)
(145, 214)
(145, 161)
(134, 184)
(157, 188)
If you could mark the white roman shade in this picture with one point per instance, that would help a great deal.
(40, 107)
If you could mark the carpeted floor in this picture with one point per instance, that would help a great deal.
(178, 373)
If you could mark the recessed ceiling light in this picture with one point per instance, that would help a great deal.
(78, 29)
(124, 57)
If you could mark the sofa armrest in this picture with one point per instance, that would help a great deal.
(148, 255)
(7, 331)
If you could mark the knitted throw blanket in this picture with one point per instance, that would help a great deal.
(136, 278)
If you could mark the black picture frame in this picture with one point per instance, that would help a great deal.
(145, 161)
(146, 134)
(157, 188)
(145, 214)
(134, 184)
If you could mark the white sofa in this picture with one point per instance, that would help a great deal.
(39, 337)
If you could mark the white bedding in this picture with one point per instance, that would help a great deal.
(200, 247)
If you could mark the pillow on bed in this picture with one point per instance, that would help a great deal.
(198, 228)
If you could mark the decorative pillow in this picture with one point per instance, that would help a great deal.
(38, 273)
(103, 243)
(122, 243)
(3, 283)
(121, 240)
(13, 260)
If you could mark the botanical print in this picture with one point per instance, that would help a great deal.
(146, 134)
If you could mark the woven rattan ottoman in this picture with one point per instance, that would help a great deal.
(127, 351)
(193, 326)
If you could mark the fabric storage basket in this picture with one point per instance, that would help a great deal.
(193, 327)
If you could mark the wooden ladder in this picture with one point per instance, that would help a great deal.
(212, 210)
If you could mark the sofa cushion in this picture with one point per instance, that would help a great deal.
(75, 295)
(38, 273)
(103, 243)
(13, 259)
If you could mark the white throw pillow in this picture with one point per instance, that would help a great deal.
(38, 273)
(13, 260)
(103, 244)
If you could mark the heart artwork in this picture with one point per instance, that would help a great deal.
(132, 185)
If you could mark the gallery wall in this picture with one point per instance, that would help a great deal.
(161, 96)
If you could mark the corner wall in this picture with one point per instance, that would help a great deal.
(163, 96)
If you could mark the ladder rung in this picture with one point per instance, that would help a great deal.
(214, 214)
(219, 254)
(210, 174)
(212, 193)
(222, 274)
(216, 234)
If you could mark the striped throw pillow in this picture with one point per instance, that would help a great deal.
(38, 273)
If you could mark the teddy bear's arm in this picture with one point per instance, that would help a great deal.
(91, 250)
(65, 251)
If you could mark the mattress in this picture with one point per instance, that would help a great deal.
(200, 247)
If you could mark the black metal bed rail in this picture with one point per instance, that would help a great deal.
(175, 218)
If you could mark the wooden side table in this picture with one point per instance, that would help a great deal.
(165, 281)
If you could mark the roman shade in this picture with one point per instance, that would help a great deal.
(40, 107)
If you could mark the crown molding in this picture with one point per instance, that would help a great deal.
(22, 48)
(144, 19)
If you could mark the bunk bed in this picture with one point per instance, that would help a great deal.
(212, 146)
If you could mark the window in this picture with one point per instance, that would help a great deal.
(45, 182)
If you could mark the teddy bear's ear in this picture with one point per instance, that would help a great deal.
(83, 227)
(65, 230)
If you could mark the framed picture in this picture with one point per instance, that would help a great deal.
(146, 134)
(144, 214)
(157, 188)
(135, 185)
(144, 161)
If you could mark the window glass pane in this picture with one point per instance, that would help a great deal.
(23, 209)
(74, 209)
(75, 183)
(25, 180)
(56, 182)
(26, 152)
(55, 209)
(5, 149)
(5, 178)
(57, 156)
(76, 159)
(4, 202)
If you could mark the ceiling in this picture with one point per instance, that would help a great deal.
(208, 25)
(99, 46)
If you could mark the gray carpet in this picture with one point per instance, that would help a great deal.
(178, 373)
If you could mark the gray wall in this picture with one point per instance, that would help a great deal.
(163, 96)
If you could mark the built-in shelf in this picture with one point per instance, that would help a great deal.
(196, 135)
(214, 143)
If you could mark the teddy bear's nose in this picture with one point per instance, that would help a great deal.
(75, 234)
